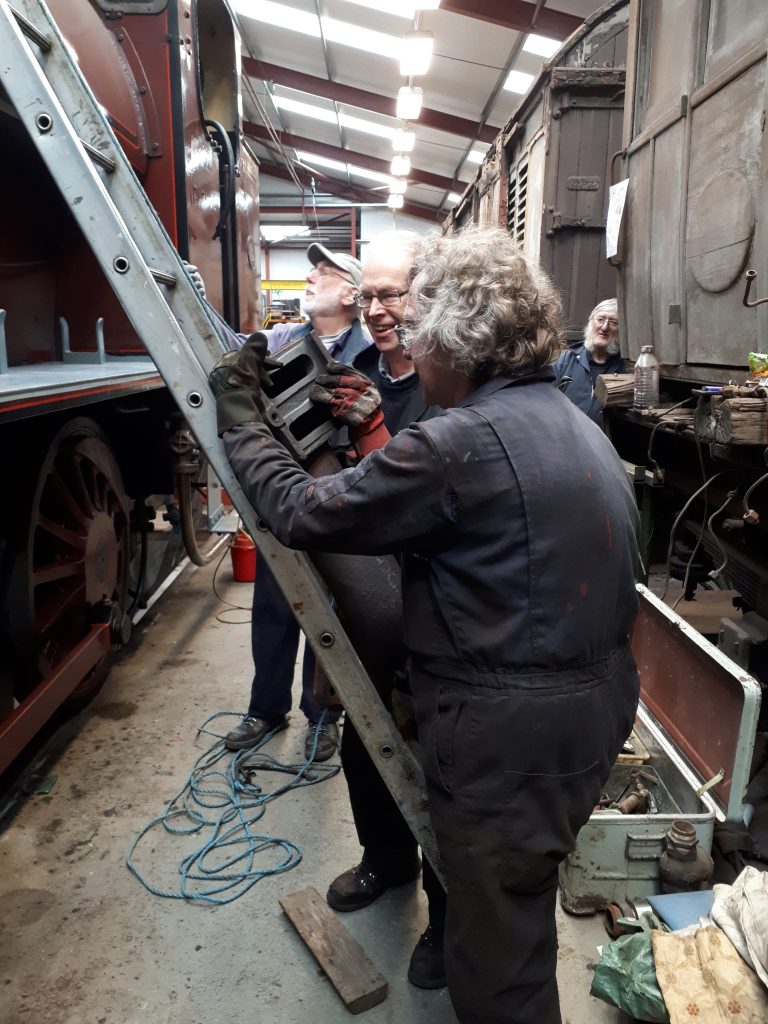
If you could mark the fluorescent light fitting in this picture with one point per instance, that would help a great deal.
(395, 202)
(518, 81)
(416, 53)
(397, 186)
(400, 166)
(454, 197)
(426, 5)
(476, 156)
(542, 46)
(409, 103)
(403, 140)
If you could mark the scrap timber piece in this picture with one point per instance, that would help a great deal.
(342, 958)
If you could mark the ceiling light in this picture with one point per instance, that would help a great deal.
(416, 53)
(397, 186)
(409, 103)
(542, 46)
(454, 197)
(426, 5)
(518, 81)
(403, 140)
(400, 166)
(395, 202)
(476, 156)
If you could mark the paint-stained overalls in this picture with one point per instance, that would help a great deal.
(517, 526)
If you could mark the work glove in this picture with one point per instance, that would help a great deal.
(196, 278)
(237, 381)
(355, 402)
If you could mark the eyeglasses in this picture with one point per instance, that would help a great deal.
(327, 272)
(601, 321)
(388, 297)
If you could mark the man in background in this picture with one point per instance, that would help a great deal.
(329, 301)
(578, 368)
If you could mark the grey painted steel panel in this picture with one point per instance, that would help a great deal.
(666, 205)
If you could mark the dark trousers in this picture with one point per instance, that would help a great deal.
(387, 841)
(514, 767)
(275, 643)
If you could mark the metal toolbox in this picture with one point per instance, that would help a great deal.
(697, 719)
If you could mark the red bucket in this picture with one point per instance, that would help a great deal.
(243, 552)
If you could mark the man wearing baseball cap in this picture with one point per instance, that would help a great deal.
(329, 301)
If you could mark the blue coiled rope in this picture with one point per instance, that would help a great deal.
(228, 803)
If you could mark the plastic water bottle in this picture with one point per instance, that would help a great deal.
(646, 379)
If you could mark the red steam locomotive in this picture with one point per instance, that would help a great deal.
(94, 450)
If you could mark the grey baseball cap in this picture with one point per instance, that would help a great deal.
(346, 263)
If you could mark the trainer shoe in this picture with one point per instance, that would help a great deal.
(250, 731)
(427, 966)
(362, 884)
(327, 741)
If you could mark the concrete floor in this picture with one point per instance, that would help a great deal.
(81, 942)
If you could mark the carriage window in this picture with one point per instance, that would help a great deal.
(734, 27)
(666, 52)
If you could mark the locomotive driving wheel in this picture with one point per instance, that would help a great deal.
(72, 556)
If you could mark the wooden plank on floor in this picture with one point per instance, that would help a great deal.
(343, 959)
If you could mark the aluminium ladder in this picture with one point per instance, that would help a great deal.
(66, 124)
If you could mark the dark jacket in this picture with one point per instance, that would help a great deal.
(574, 363)
(415, 410)
(514, 516)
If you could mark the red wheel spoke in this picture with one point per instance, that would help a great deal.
(69, 537)
(49, 612)
(67, 498)
(81, 491)
(61, 569)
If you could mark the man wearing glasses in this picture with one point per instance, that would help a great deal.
(329, 301)
(390, 853)
(578, 368)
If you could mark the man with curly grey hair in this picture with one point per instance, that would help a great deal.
(578, 368)
(516, 526)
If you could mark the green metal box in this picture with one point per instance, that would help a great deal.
(697, 718)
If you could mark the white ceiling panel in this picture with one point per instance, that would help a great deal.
(469, 57)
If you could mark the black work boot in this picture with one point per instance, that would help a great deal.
(362, 884)
(251, 731)
(327, 741)
(427, 966)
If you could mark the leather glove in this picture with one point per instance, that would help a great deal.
(354, 401)
(196, 278)
(237, 381)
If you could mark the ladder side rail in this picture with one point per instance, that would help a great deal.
(183, 344)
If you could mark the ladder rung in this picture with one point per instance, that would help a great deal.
(31, 32)
(98, 157)
(162, 278)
